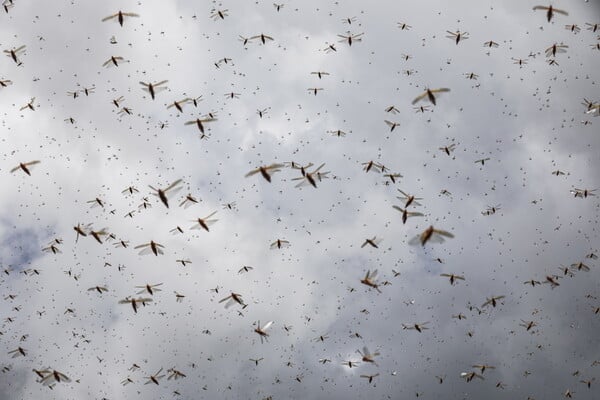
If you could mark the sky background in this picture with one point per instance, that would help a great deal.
(529, 120)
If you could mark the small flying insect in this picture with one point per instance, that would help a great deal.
(370, 280)
(350, 38)
(280, 244)
(430, 234)
(232, 299)
(204, 223)
(120, 16)
(199, 122)
(453, 278)
(263, 38)
(418, 327)
(15, 53)
(162, 193)
(550, 11)
(429, 94)
(134, 302)
(25, 167)
(266, 171)
(151, 247)
(216, 14)
(113, 61)
(457, 36)
(153, 88)
(262, 330)
(448, 149)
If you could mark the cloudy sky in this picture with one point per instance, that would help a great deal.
(512, 219)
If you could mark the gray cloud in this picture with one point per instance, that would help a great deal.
(527, 120)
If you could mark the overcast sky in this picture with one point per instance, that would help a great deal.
(512, 219)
